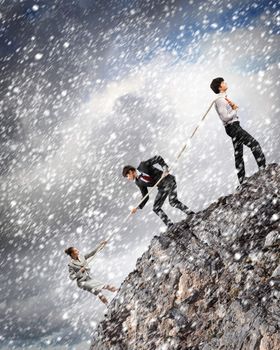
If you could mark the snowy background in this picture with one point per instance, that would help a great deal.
(88, 87)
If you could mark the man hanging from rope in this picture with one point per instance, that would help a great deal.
(146, 175)
(79, 270)
(227, 111)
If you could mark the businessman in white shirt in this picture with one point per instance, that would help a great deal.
(227, 111)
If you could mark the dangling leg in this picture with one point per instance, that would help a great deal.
(110, 288)
(160, 198)
(174, 201)
(91, 286)
(255, 147)
(101, 297)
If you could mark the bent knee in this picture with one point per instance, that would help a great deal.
(172, 202)
(96, 292)
(156, 209)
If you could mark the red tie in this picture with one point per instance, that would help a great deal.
(146, 177)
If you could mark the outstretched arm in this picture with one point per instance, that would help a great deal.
(144, 191)
(95, 251)
(223, 112)
(157, 160)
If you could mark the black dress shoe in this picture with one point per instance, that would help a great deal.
(243, 184)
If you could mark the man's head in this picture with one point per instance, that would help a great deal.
(129, 172)
(218, 85)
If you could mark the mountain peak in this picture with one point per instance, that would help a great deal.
(209, 283)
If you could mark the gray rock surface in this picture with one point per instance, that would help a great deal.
(210, 283)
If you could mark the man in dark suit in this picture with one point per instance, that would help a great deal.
(146, 175)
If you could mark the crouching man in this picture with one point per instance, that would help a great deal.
(146, 175)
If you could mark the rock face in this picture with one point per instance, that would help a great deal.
(210, 283)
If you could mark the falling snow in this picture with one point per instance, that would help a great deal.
(88, 88)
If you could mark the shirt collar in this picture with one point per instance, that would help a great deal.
(77, 261)
(138, 174)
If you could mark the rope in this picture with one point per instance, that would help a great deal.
(162, 177)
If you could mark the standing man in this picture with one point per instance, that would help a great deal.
(146, 175)
(227, 111)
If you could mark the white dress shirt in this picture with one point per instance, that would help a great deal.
(225, 112)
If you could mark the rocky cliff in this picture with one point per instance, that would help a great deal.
(210, 283)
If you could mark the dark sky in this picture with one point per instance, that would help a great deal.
(89, 86)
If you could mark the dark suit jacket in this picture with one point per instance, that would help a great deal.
(147, 167)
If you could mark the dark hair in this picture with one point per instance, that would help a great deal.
(216, 83)
(126, 170)
(69, 251)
